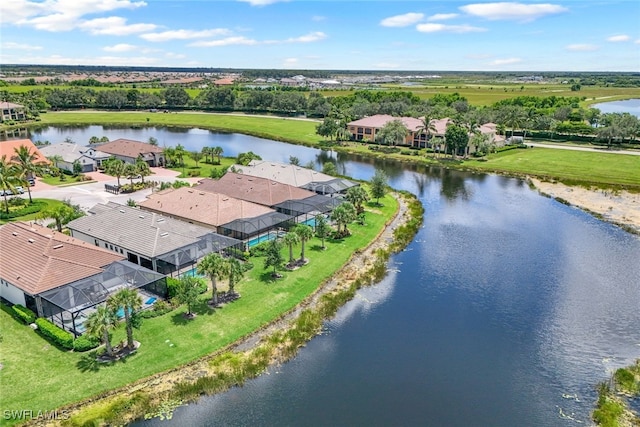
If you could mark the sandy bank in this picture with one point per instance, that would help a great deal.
(619, 207)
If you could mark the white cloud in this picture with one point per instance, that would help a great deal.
(114, 26)
(441, 28)
(262, 2)
(318, 18)
(57, 15)
(512, 11)
(184, 34)
(229, 41)
(581, 47)
(442, 16)
(20, 46)
(122, 47)
(637, 41)
(506, 61)
(619, 38)
(402, 20)
(308, 38)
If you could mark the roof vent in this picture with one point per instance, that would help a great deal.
(165, 234)
(57, 246)
(141, 216)
(121, 210)
(160, 220)
(31, 240)
(14, 233)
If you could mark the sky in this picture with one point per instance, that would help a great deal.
(574, 35)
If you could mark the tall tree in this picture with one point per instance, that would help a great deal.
(426, 127)
(215, 267)
(187, 292)
(357, 195)
(392, 133)
(217, 151)
(236, 273)
(456, 138)
(207, 152)
(343, 215)
(290, 239)
(322, 228)
(305, 233)
(131, 172)
(27, 164)
(328, 128)
(196, 156)
(179, 153)
(273, 256)
(8, 179)
(142, 168)
(115, 167)
(100, 323)
(379, 185)
(130, 301)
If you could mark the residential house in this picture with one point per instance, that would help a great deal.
(149, 239)
(129, 151)
(63, 278)
(10, 111)
(88, 157)
(8, 151)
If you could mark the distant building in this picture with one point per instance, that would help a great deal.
(11, 111)
(89, 158)
(129, 150)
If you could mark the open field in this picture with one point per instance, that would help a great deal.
(170, 340)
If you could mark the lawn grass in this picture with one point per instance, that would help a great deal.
(41, 377)
(51, 203)
(203, 169)
(580, 167)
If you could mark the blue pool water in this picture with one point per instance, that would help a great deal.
(310, 222)
(264, 238)
(150, 301)
(190, 273)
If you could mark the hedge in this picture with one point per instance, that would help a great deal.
(24, 314)
(85, 343)
(57, 335)
(35, 207)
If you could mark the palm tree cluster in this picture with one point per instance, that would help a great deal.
(118, 168)
(17, 171)
(216, 267)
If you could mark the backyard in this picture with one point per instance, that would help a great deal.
(49, 377)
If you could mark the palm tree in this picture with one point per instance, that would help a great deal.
(344, 214)
(60, 214)
(217, 151)
(207, 152)
(100, 323)
(115, 167)
(236, 273)
(55, 159)
(426, 127)
(142, 168)
(169, 155)
(8, 177)
(180, 152)
(187, 292)
(131, 172)
(305, 233)
(290, 239)
(215, 267)
(130, 301)
(322, 228)
(196, 156)
(27, 164)
(357, 195)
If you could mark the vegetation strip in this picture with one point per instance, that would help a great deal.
(612, 409)
(274, 343)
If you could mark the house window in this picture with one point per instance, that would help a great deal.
(367, 131)
(106, 246)
(96, 242)
(359, 130)
(111, 247)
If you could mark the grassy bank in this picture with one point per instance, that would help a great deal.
(169, 341)
(612, 409)
(599, 169)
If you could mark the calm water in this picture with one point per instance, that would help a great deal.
(504, 301)
(629, 106)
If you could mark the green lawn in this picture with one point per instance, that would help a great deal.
(37, 376)
(604, 169)
(203, 169)
(50, 203)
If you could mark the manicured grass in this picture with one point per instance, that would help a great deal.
(602, 169)
(203, 169)
(51, 203)
(43, 377)
(68, 180)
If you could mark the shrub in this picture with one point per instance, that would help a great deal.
(159, 308)
(35, 207)
(24, 314)
(85, 343)
(55, 334)
(172, 286)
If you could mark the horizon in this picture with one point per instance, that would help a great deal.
(358, 36)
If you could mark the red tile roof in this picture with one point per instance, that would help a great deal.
(7, 148)
(36, 259)
(128, 148)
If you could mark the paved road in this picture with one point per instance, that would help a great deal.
(577, 148)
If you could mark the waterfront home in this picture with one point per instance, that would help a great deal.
(10, 111)
(63, 278)
(129, 151)
(88, 157)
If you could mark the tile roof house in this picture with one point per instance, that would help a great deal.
(58, 276)
(253, 189)
(11, 111)
(201, 206)
(88, 157)
(7, 149)
(152, 240)
(296, 176)
(129, 150)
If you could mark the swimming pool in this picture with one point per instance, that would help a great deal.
(265, 237)
(310, 222)
(191, 273)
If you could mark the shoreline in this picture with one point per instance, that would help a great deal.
(618, 207)
(160, 385)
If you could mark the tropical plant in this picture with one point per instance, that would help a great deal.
(153, 141)
(215, 267)
(343, 215)
(115, 167)
(179, 153)
(235, 272)
(59, 213)
(322, 228)
(130, 301)
(357, 195)
(142, 168)
(27, 165)
(305, 233)
(55, 159)
(245, 158)
(169, 155)
(290, 239)
(456, 138)
(392, 133)
(187, 292)
(379, 185)
(196, 156)
(131, 172)
(100, 323)
(328, 168)
(206, 153)
(8, 179)
(426, 127)
(293, 160)
(217, 151)
(273, 256)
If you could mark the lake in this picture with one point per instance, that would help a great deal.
(504, 302)
(631, 106)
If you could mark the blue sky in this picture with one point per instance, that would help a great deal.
(591, 35)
